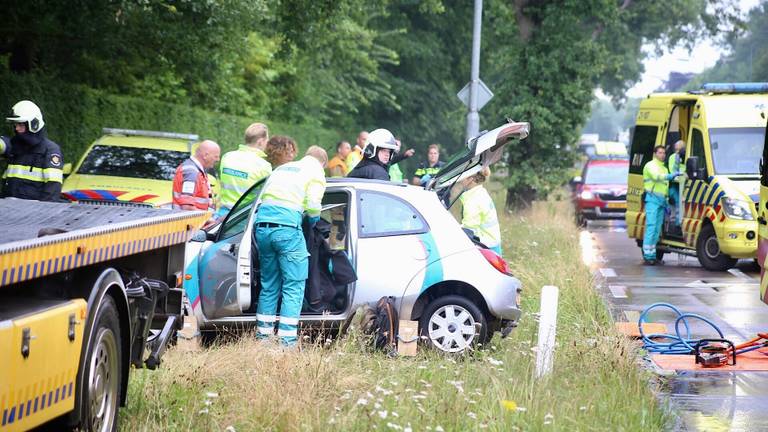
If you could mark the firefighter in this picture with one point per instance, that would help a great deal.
(191, 189)
(242, 168)
(656, 179)
(292, 189)
(35, 163)
(479, 212)
(674, 165)
(378, 151)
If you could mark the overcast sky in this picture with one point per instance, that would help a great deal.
(657, 69)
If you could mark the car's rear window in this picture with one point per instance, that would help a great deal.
(606, 174)
(133, 162)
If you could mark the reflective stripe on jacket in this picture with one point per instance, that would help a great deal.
(655, 177)
(34, 168)
(297, 186)
(479, 215)
(239, 170)
(191, 187)
(424, 169)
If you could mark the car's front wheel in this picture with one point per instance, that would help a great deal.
(453, 324)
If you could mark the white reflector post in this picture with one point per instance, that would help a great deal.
(545, 352)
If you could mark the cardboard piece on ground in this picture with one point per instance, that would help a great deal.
(408, 338)
(749, 361)
(630, 328)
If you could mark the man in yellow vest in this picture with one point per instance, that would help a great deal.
(656, 179)
(292, 190)
(337, 166)
(356, 155)
(242, 168)
(675, 164)
(479, 212)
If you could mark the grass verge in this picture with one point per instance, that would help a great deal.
(249, 385)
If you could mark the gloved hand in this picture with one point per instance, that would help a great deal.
(672, 176)
(425, 179)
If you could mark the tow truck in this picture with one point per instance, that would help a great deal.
(86, 293)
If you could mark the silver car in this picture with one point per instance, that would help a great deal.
(401, 241)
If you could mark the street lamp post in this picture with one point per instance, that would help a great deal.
(473, 118)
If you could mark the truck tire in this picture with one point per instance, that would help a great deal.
(449, 324)
(709, 253)
(101, 378)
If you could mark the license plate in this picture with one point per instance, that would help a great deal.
(622, 204)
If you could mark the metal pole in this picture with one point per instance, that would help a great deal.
(473, 118)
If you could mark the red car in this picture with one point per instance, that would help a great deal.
(601, 190)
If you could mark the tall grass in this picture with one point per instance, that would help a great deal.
(255, 386)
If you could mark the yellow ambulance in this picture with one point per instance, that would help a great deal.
(762, 220)
(723, 126)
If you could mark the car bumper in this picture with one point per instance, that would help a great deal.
(734, 240)
(503, 299)
(603, 213)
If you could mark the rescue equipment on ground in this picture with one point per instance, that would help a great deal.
(709, 352)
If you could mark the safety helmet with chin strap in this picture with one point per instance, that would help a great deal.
(379, 139)
(27, 112)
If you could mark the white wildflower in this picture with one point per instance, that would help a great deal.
(383, 414)
(362, 401)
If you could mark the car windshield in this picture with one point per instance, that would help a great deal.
(737, 150)
(606, 174)
(132, 162)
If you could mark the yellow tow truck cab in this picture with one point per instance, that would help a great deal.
(723, 126)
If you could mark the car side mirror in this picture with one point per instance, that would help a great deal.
(67, 168)
(692, 169)
(199, 236)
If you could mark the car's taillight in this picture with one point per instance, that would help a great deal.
(496, 261)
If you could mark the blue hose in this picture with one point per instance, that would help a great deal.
(675, 343)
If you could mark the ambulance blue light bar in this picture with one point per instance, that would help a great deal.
(747, 87)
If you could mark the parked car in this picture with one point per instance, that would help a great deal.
(130, 167)
(401, 241)
(601, 191)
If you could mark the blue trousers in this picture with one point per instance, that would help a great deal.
(654, 220)
(674, 196)
(284, 265)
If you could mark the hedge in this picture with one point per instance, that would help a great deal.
(75, 115)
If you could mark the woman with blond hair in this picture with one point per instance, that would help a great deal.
(479, 211)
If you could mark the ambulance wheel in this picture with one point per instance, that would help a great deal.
(102, 379)
(453, 324)
(709, 253)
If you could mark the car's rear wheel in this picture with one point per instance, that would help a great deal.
(453, 324)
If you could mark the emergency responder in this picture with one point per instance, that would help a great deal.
(191, 189)
(356, 155)
(428, 169)
(378, 151)
(242, 168)
(675, 164)
(281, 150)
(336, 166)
(291, 190)
(479, 211)
(656, 179)
(34, 169)
(395, 174)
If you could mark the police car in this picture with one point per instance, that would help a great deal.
(401, 241)
(130, 167)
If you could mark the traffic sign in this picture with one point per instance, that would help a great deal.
(484, 94)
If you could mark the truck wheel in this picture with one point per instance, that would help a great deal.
(102, 379)
(450, 324)
(709, 253)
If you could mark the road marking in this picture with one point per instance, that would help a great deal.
(608, 272)
(740, 274)
(618, 291)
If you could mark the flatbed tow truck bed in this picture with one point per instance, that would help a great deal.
(43, 238)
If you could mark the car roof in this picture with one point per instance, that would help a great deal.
(173, 144)
(400, 189)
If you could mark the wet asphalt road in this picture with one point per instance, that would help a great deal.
(704, 401)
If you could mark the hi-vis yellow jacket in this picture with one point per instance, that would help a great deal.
(239, 170)
(655, 178)
(479, 215)
(297, 186)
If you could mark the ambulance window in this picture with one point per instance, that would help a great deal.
(642, 148)
(697, 149)
(385, 215)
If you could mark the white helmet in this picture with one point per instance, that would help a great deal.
(378, 139)
(29, 113)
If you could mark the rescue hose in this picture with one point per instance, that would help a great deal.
(683, 344)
